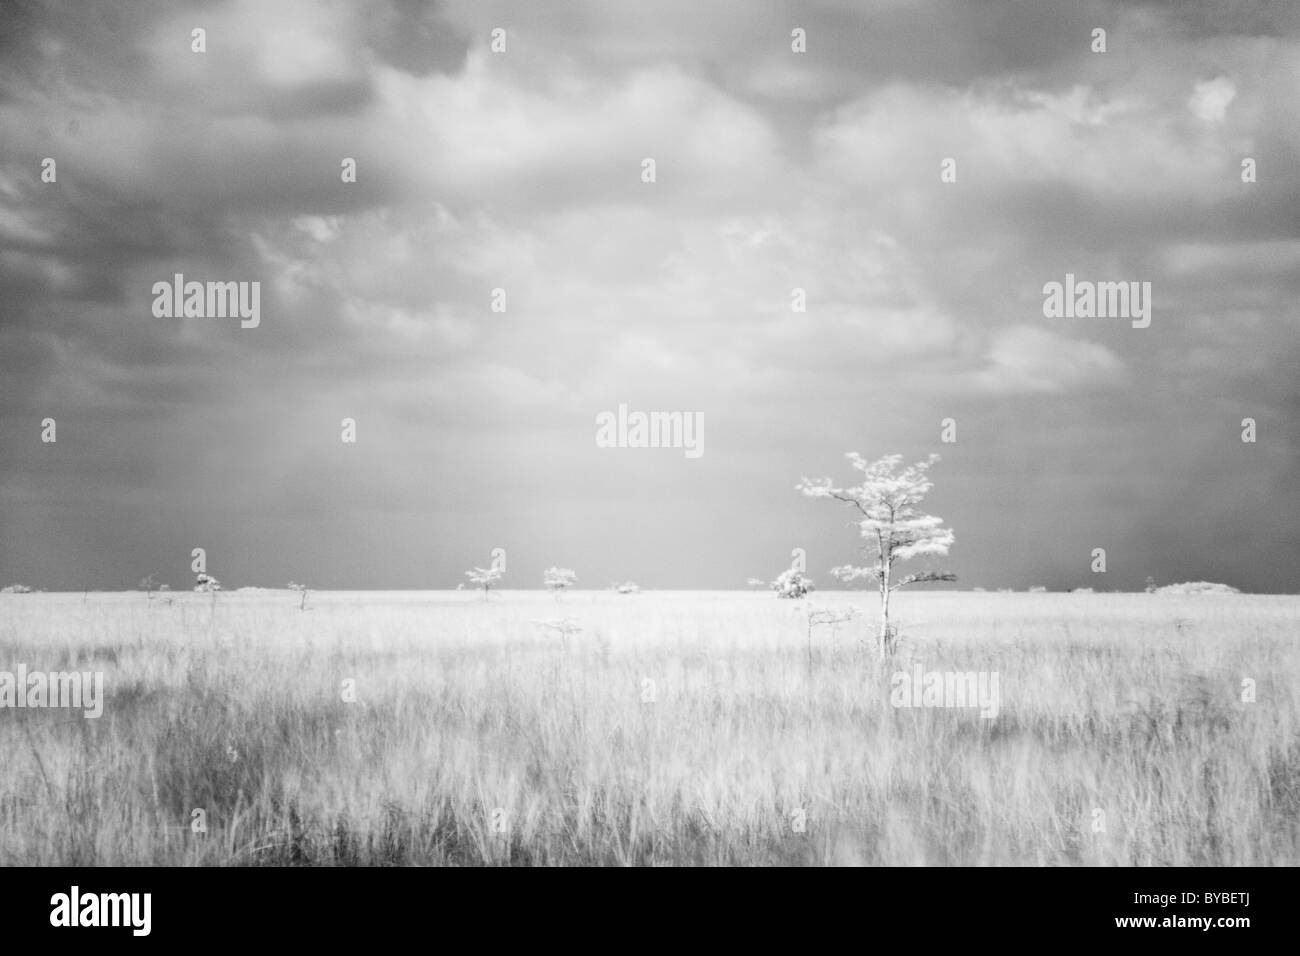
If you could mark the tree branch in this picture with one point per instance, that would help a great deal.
(922, 578)
(853, 501)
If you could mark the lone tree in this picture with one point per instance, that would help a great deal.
(790, 583)
(558, 580)
(484, 578)
(207, 583)
(890, 523)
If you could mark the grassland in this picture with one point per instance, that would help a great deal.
(1119, 710)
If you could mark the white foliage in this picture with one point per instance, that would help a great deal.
(558, 579)
(886, 499)
(791, 584)
(484, 577)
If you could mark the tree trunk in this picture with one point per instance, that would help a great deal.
(886, 645)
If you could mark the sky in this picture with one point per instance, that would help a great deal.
(522, 170)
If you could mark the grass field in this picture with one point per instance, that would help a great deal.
(478, 737)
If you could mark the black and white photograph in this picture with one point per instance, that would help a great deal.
(681, 434)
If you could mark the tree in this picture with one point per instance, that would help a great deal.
(818, 616)
(563, 627)
(791, 583)
(559, 579)
(206, 582)
(302, 590)
(210, 585)
(484, 578)
(893, 528)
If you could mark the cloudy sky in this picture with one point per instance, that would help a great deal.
(522, 170)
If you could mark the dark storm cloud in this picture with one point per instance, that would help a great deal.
(413, 36)
(1202, 19)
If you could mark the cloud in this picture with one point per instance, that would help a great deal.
(776, 171)
(1210, 99)
(1030, 359)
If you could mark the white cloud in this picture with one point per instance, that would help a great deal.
(1026, 358)
(1210, 99)
(1115, 146)
(485, 136)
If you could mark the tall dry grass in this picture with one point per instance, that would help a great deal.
(1126, 704)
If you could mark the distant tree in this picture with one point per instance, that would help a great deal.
(791, 583)
(210, 585)
(756, 583)
(302, 590)
(558, 580)
(149, 585)
(484, 578)
(206, 583)
(15, 589)
(888, 519)
(627, 587)
(564, 628)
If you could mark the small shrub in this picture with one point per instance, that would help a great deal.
(1197, 587)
